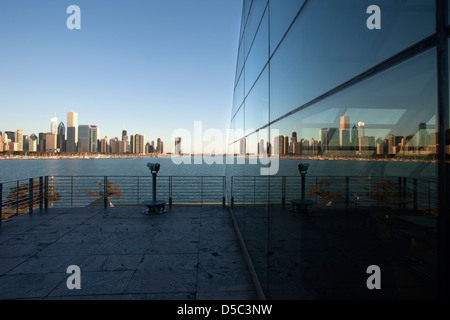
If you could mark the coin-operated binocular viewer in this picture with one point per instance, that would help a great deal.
(153, 205)
(303, 204)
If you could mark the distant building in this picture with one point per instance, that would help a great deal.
(104, 146)
(344, 133)
(139, 141)
(61, 137)
(178, 145)
(93, 137)
(53, 124)
(18, 138)
(83, 138)
(32, 143)
(51, 142)
(72, 133)
(158, 146)
(41, 144)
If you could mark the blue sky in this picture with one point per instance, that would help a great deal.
(146, 66)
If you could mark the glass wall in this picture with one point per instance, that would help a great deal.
(319, 85)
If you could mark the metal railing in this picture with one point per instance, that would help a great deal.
(26, 195)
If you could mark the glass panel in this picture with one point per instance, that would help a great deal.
(259, 55)
(238, 124)
(238, 97)
(240, 62)
(253, 21)
(372, 179)
(257, 104)
(247, 4)
(330, 43)
(281, 15)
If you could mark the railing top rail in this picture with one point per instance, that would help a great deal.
(22, 179)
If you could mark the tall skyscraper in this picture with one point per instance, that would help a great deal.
(50, 142)
(83, 138)
(361, 129)
(139, 144)
(61, 137)
(158, 145)
(355, 140)
(344, 134)
(41, 146)
(18, 138)
(72, 132)
(93, 137)
(53, 125)
(423, 135)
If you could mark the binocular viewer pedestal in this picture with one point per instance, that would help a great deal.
(154, 206)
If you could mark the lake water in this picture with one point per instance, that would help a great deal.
(23, 169)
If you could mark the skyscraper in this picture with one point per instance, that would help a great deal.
(72, 132)
(50, 142)
(18, 138)
(61, 137)
(344, 134)
(83, 138)
(361, 129)
(139, 144)
(53, 125)
(93, 137)
(158, 146)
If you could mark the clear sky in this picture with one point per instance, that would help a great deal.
(146, 66)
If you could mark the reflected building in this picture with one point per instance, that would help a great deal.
(351, 95)
(344, 133)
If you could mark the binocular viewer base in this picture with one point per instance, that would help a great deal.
(154, 206)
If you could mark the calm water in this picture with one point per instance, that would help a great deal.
(22, 169)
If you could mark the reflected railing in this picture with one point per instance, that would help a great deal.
(402, 192)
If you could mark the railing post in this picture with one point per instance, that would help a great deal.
(46, 193)
(105, 191)
(41, 191)
(17, 197)
(30, 196)
(71, 191)
(224, 186)
(170, 192)
(232, 196)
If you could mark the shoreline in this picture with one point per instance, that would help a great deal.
(129, 156)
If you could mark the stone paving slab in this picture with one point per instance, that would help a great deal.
(189, 253)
